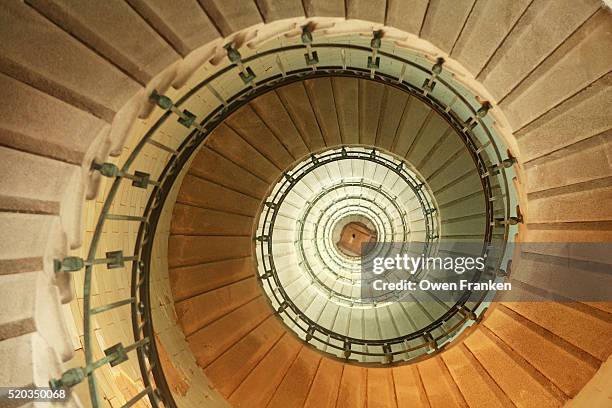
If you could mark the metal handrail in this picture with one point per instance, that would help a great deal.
(283, 302)
(155, 386)
(292, 178)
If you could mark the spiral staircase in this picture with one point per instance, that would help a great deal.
(157, 155)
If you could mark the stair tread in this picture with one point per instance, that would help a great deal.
(191, 250)
(202, 193)
(584, 331)
(512, 375)
(352, 390)
(210, 165)
(248, 125)
(231, 368)
(259, 387)
(200, 310)
(325, 385)
(566, 368)
(380, 388)
(475, 384)
(294, 388)
(321, 95)
(212, 340)
(272, 111)
(186, 281)
(440, 388)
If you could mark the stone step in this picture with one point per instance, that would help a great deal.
(229, 144)
(565, 72)
(246, 123)
(346, 94)
(169, 21)
(272, 10)
(231, 16)
(187, 281)
(324, 389)
(391, 115)
(461, 185)
(322, 98)
(443, 24)
(259, 387)
(198, 311)
(65, 69)
(467, 225)
(271, 110)
(198, 192)
(513, 61)
(409, 388)
(325, 8)
(457, 167)
(580, 162)
(213, 340)
(380, 388)
(565, 365)
(473, 381)
(210, 165)
(294, 388)
(30, 243)
(557, 275)
(189, 220)
(371, 98)
(119, 42)
(33, 307)
(415, 117)
(578, 324)
(582, 116)
(353, 386)
(231, 368)
(584, 202)
(599, 231)
(439, 386)
(461, 207)
(28, 361)
(184, 250)
(522, 383)
(298, 106)
(429, 134)
(35, 184)
(374, 10)
(485, 30)
(407, 15)
(40, 124)
(446, 149)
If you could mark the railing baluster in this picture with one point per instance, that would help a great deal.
(246, 73)
(137, 397)
(162, 146)
(430, 83)
(121, 217)
(114, 355)
(139, 179)
(185, 117)
(311, 57)
(110, 306)
(114, 259)
(374, 59)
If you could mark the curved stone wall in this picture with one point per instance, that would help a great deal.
(545, 64)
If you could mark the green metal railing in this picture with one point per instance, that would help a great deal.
(304, 60)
